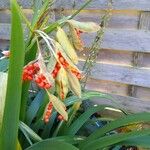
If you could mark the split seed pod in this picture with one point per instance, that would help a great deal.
(71, 65)
(76, 39)
(84, 26)
(48, 112)
(66, 45)
(43, 69)
(74, 83)
(62, 84)
(58, 105)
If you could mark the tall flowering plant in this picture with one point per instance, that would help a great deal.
(59, 70)
(41, 91)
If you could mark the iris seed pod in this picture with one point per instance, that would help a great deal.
(74, 83)
(84, 26)
(62, 84)
(65, 43)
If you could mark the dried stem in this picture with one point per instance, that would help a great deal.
(96, 46)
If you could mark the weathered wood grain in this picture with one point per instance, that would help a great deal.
(130, 104)
(143, 93)
(4, 44)
(96, 4)
(119, 19)
(110, 56)
(5, 4)
(144, 23)
(102, 4)
(121, 39)
(122, 74)
(125, 40)
(5, 31)
(146, 60)
(107, 86)
(6, 14)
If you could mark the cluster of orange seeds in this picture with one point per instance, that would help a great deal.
(29, 71)
(48, 112)
(42, 81)
(56, 70)
(65, 64)
(76, 73)
(62, 60)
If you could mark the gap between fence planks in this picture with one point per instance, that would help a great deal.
(119, 19)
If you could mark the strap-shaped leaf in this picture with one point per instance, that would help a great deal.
(34, 107)
(127, 120)
(52, 145)
(85, 96)
(142, 141)
(14, 83)
(24, 128)
(3, 85)
(77, 124)
(110, 140)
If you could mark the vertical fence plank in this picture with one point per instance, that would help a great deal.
(144, 24)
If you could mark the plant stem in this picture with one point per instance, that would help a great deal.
(81, 8)
(96, 46)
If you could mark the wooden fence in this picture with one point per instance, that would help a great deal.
(123, 64)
